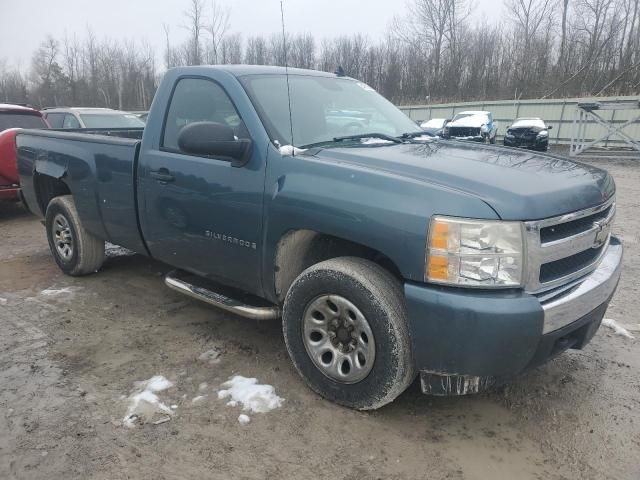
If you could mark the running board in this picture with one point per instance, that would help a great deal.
(202, 289)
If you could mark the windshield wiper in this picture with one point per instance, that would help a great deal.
(382, 136)
(416, 134)
(327, 143)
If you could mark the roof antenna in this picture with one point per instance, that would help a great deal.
(340, 71)
(286, 71)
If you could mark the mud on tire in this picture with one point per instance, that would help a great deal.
(379, 297)
(76, 251)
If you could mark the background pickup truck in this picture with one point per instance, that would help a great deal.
(13, 117)
(388, 253)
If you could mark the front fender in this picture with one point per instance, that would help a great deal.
(381, 210)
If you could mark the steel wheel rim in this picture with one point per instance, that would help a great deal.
(62, 236)
(338, 339)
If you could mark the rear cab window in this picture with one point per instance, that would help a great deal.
(20, 120)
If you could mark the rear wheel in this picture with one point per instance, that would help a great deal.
(76, 251)
(345, 327)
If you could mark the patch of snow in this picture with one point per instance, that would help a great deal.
(617, 328)
(212, 356)
(528, 122)
(198, 399)
(424, 138)
(173, 407)
(291, 150)
(374, 141)
(52, 292)
(111, 250)
(3, 301)
(434, 123)
(203, 386)
(144, 403)
(243, 419)
(253, 396)
(472, 119)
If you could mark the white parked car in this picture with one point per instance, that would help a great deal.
(473, 125)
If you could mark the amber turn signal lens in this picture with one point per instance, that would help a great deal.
(440, 235)
(438, 267)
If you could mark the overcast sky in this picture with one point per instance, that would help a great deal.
(25, 23)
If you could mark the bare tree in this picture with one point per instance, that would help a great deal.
(217, 28)
(432, 50)
(195, 25)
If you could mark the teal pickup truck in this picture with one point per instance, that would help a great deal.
(388, 254)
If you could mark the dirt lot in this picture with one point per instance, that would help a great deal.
(69, 357)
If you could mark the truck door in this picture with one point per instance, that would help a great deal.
(201, 213)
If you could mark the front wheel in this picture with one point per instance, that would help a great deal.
(76, 251)
(346, 331)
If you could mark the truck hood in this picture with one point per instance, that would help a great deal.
(517, 184)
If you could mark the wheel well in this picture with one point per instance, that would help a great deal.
(299, 249)
(47, 188)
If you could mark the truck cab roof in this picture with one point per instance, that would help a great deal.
(244, 70)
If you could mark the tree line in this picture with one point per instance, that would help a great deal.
(432, 52)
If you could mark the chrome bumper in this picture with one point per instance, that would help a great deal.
(588, 293)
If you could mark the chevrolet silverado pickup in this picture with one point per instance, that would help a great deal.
(388, 254)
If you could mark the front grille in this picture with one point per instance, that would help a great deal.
(567, 229)
(564, 249)
(464, 131)
(523, 133)
(561, 268)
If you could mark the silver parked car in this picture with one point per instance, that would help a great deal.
(79, 117)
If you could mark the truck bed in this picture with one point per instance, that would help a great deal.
(98, 167)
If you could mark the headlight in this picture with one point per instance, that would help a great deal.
(509, 134)
(543, 134)
(478, 253)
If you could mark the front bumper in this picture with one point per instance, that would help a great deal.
(465, 340)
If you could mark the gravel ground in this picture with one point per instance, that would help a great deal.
(70, 356)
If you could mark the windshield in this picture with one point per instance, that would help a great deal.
(111, 120)
(20, 120)
(322, 108)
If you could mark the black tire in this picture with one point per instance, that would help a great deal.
(87, 252)
(379, 296)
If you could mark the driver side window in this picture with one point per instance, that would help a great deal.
(199, 100)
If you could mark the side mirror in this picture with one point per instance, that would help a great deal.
(549, 127)
(215, 140)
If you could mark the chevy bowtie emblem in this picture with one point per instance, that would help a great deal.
(602, 233)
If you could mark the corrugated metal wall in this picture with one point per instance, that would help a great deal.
(560, 113)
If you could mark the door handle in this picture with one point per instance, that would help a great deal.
(162, 175)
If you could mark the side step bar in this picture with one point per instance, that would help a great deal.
(186, 283)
